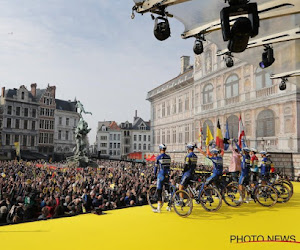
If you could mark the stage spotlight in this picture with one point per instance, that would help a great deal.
(198, 47)
(267, 57)
(162, 29)
(229, 60)
(282, 85)
(243, 28)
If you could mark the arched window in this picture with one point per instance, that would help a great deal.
(59, 149)
(266, 124)
(232, 86)
(233, 126)
(208, 93)
(262, 79)
(204, 128)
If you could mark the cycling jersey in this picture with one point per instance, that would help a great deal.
(189, 168)
(217, 164)
(163, 163)
(265, 166)
(254, 163)
(245, 164)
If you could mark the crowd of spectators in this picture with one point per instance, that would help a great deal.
(28, 192)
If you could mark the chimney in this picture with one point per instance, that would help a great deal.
(33, 89)
(3, 92)
(135, 114)
(185, 63)
(53, 91)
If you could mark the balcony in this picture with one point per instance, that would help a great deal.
(266, 91)
(207, 106)
(232, 100)
(267, 143)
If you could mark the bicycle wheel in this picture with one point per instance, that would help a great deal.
(283, 192)
(232, 196)
(288, 183)
(152, 197)
(266, 195)
(182, 203)
(211, 199)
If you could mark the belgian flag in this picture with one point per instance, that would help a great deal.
(219, 137)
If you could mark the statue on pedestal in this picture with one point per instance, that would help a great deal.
(80, 157)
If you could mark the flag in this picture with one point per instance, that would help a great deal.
(241, 141)
(227, 137)
(219, 137)
(209, 136)
(200, 136)
(17, 146)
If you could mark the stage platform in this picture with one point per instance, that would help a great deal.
(139, 228)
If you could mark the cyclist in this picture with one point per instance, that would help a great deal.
(162, 166)
(190, 163)
(217, 160)
(244, 178)
(254, 166)
(264, 167)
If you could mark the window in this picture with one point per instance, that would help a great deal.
(17, 123)
(163, 137)
(168, 136)
(140, 137)
(17, 138)
(25, 140)
(164, 109)
(51, 125)
(110, 145)
(145, 137)
(134, 137)
(51, 112)
(180, 139)
(119, 145)
(149, 138)
(23, 95)
(115, 137)
(158, 137)
(34, 113)
(32, 141)
(7, 139)
(9, 110)
(59, 134)
(115, 145)
(18, 111)
(47, 124)
(51, 138)
(46, 138)
(187, 133)
(179, 105)
(140, 146)
(60, 120)
(33, 125)
(42, 111)
(174, 106)
(262, 79)
(119, 137)
(168, 108)
(174, 135)
(149, 147)
(266, 124)
(208, 94)
(25, 124)
(26, 112)
(110, 137)
(42, 122)
(67, 121)
(134, 146)
(47, 112)
(8, 123)
(67, 135)
(211, 128)
(187, 102)
(232, 86)
(41, 138)
(233, 126)
(144, 147)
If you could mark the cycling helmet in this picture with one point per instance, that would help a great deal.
(190, 146)
(214, 151)
(246, 149)
(254, 150)
(263, 152)
(162, 147)
(268, 154)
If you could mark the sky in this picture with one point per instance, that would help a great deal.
(88, 49)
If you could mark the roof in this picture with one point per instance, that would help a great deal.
(65, 105)
(138, 122)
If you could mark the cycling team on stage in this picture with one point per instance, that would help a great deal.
(244, 161)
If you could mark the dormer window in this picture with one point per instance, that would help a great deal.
(23, 95)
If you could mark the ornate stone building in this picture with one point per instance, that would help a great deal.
(211, 91)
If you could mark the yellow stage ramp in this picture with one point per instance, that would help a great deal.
(139, 228)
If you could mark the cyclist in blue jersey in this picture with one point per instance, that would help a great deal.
(217, 160)
(264, 167)
(162, 167)
(246, 165)
(190, 164)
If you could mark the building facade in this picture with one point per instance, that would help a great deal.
(212, 91)
(19, 121)
(66, 119)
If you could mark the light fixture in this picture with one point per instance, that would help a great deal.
(282, 85)
(267, 57)
(243, 28)
(229, 60)
(162, 29)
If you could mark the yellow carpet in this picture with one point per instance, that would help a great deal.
(139, 228)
